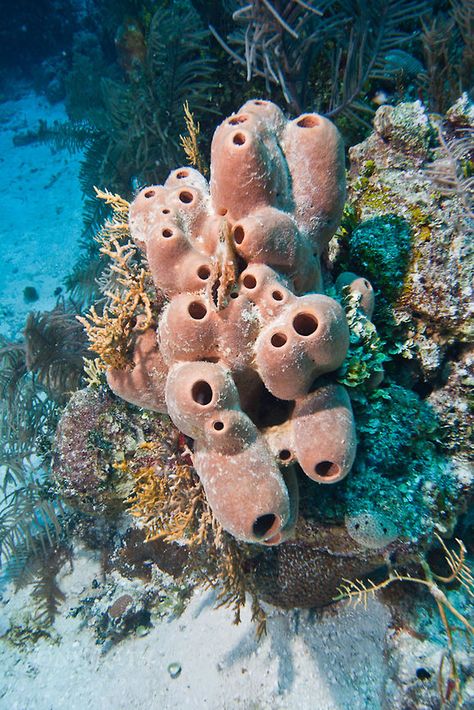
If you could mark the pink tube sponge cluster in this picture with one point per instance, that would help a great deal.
(247, 333)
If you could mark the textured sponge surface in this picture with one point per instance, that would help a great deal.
(247, 332)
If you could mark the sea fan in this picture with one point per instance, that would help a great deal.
(49, 362)
(320, 54)
(29, 521)
(55, 346)
(46, 592)
(146, 115)
(448, 173)
(138, 136)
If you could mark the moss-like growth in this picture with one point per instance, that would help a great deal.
(366, 356)
(401, 472)
(380, 248)
(401, 476)
(407, 126)
(420, 502)
(397, 431)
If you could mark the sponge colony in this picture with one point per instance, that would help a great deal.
(247, 331)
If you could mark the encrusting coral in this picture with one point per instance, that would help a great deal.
(243, 356)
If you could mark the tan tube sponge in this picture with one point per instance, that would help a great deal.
(247, 344)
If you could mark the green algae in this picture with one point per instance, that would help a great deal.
(397, 430)
(366, 355)
(401, 478)
(380, 248)
(401, 471)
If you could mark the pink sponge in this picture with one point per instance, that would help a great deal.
(247, 335)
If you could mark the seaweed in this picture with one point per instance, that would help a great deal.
(124, 284)
(360, 591)
(320, 56)
(55, 346)
(36, 378)
(448, 45)
(190, 143)
(30, 522)
(137, 134)
(452, 174)
(143, 117)
(45, 589)
(366, 356)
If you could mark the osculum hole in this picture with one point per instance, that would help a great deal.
(327, 469)
(305, 324)
(239, 234)
(201, 392)
(186, 197)
(307, 122)
(278, 340)
(197, 310)
(263, 525)
(235, 120)
(249, 281)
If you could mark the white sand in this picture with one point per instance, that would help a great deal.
(41, 213)
(330, 663)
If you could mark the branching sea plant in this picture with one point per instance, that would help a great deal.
(448, 46)
(360, 591)
(37, 376)
(366, 354)
(143, 115)
(190, 143)
(266, 40)
(321, 55)
(55, 346)
(173, 506)
(135, 135)
(124, 285)
(452, 173)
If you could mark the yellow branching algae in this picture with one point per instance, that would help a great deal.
(190, 144)
(174, 507)
(128, 308)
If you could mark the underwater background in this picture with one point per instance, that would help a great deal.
(130, 575)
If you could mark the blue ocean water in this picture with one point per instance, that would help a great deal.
(294, 290)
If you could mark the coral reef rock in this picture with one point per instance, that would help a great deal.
(410, 186)
(247, 330)
(306, 571)
(100, 448)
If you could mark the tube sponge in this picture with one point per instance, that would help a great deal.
(247, 327)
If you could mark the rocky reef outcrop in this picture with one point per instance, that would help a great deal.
(261, 348)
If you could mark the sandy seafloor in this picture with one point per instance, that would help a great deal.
(41, 212)
(341, 659)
